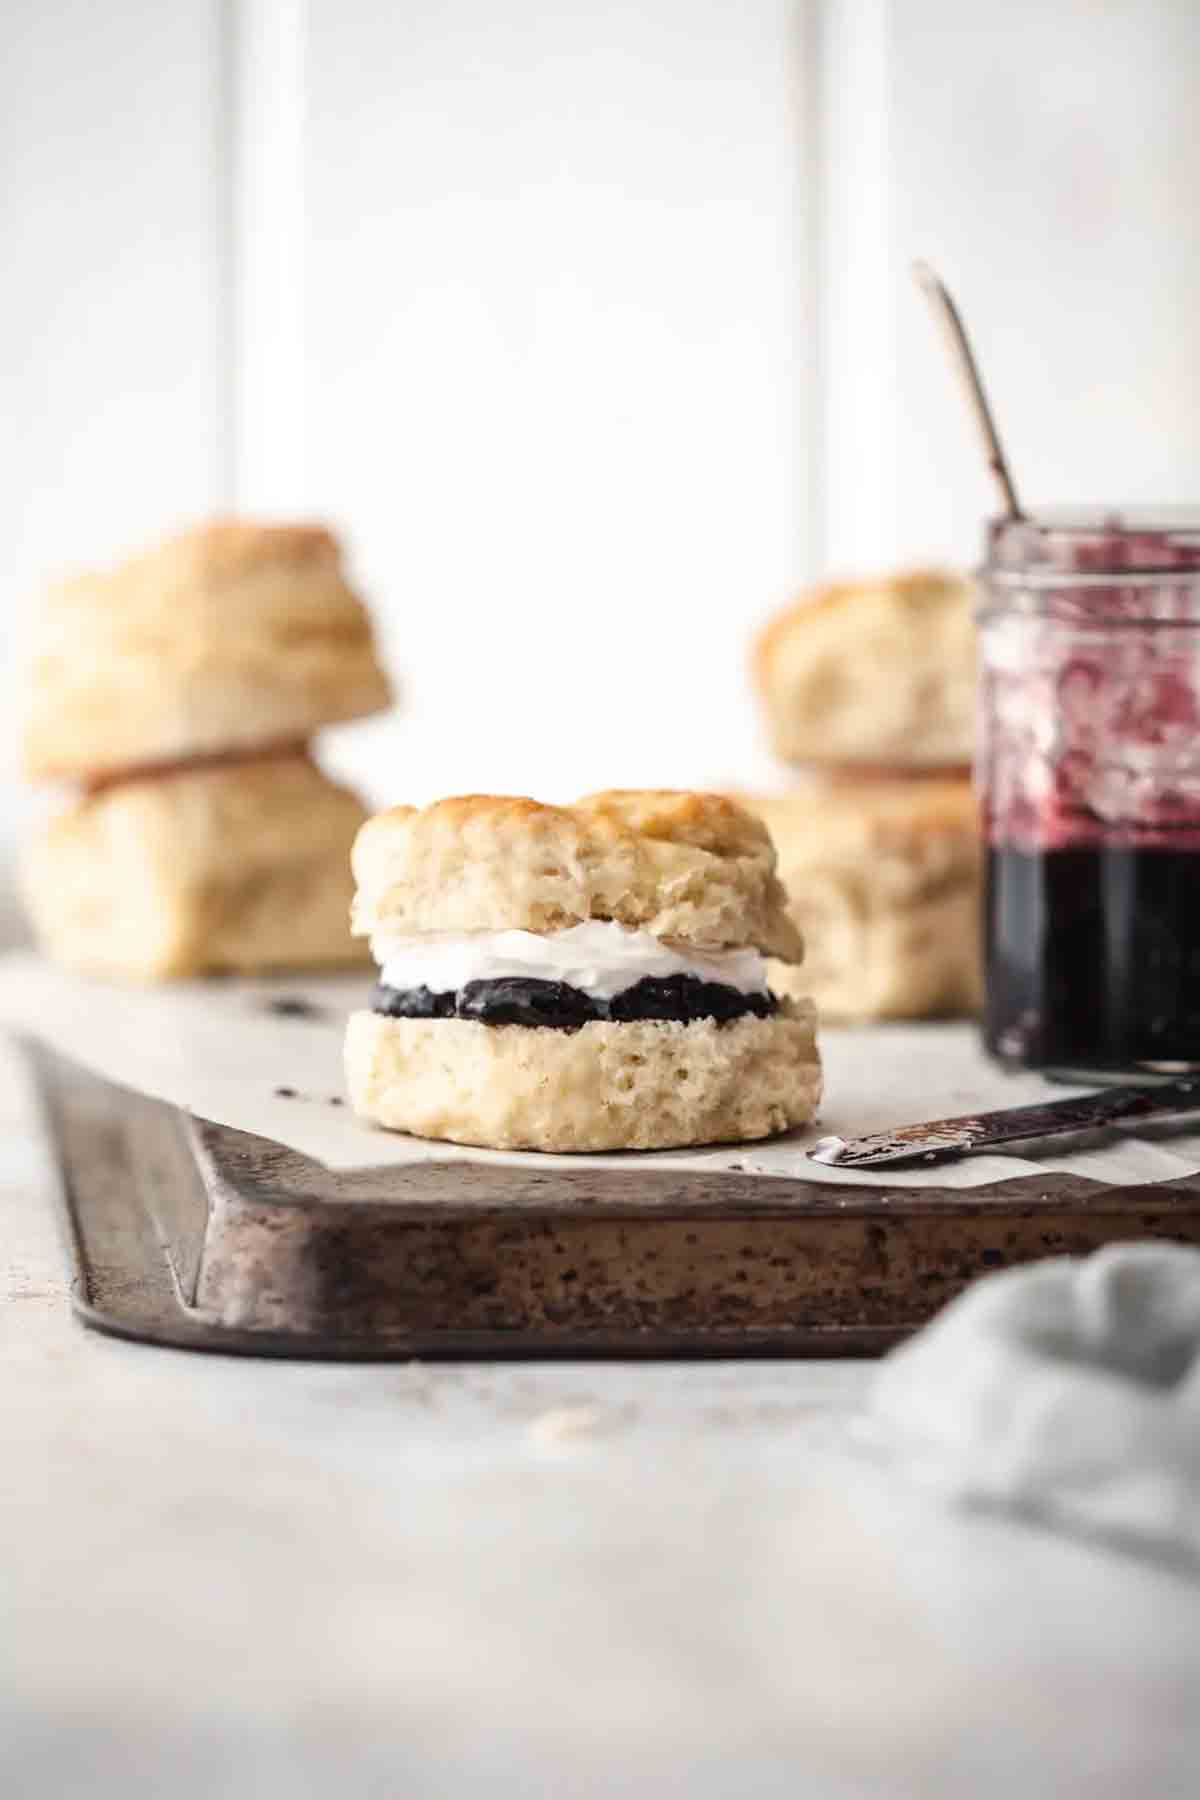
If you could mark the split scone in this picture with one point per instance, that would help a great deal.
(589, 977)
(228, 636)
(241, 867)
(884, 879)
(874, 673)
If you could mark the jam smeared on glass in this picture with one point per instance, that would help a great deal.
(1089, 770)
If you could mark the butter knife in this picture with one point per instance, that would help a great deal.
(941, 1140)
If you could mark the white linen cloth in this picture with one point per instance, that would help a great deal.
(1068, 1390)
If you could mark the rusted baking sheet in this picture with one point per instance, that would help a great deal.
(184, 1232)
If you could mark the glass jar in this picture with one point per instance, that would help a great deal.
(1089, 777)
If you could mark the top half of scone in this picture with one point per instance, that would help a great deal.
(624, 906)
(227, 636)
(874, 673)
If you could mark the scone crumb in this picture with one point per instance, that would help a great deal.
(578, 1419)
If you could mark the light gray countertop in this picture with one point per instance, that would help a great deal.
(223, 1577)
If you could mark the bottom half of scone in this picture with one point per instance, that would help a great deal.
(884, 878)
(240, 867)
(875, 958)
(649, 1084)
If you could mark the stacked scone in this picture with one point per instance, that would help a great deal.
(869, 691)
(178, 693)
(588, 977)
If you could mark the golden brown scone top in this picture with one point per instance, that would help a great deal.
(878, 671)
(912, 590)
(694, 868)
(201, 563)
(227, 635)
(216, 549)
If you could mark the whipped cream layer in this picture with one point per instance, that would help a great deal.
(599, 958)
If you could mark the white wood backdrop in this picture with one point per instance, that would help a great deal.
(590, 325)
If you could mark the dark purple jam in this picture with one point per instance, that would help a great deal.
(1093, 957)
(518, 1001)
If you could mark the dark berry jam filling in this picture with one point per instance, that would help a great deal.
(519, 1001)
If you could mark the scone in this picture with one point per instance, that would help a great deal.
(242, 868)
(228, 636)
(590, 977)
(884, 879)
(875, 674)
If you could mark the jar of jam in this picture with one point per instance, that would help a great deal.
(1089, 776)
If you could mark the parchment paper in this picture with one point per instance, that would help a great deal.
(218, 1049)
